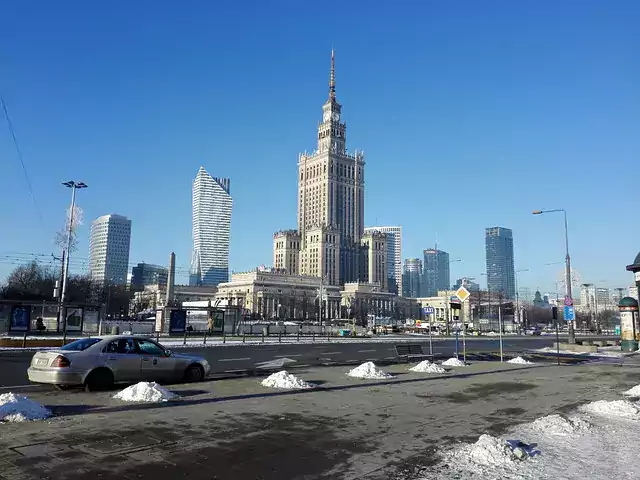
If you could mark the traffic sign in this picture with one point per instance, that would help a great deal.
(568, 301)
(462, 293)
(428, 310)
(418, 323)
(569, 313)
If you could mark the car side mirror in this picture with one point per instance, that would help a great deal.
(167, 353)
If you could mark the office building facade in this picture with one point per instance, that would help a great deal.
(109, 244)
(212, 205)
(500, 262)
(394, 256)
(145, 274)
(436, 275)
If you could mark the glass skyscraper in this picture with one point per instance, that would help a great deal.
(436, 274)
(212, 205)
(411, 278)
(500, 265)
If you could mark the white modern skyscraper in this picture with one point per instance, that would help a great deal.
(394, 254)
(109, 249)
(212, 205)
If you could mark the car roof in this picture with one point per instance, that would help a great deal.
(116, 337)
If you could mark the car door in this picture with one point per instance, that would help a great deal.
(155, 365)
(123, 359)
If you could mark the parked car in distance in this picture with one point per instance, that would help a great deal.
(97, 363)
(533, 331)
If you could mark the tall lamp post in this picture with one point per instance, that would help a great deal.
(568, 278)
(73, 186)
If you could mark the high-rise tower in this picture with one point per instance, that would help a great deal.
(109, 249)
(331, 199)
(212, 205)
(500, 265)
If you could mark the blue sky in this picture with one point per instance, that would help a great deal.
(471, 114)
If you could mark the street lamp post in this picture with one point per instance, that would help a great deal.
(569, 296)
(73, 186)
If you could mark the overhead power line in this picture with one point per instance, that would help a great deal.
(19, 153)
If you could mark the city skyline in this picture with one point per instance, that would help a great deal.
(246, 142)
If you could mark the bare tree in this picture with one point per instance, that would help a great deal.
(71, 225)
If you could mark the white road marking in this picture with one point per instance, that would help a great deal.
(365, 351)
(331, 353)
(233, 359)
(287, 356)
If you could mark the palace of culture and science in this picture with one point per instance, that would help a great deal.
(329, 260)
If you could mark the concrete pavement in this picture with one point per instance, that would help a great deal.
(348, 429)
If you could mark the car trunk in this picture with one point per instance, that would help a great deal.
(45, 358)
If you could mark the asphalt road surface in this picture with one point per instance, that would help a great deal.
(230, 358)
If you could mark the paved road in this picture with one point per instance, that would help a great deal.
(14, 364)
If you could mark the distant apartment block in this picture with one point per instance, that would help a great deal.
(145, 274)
(394, 256)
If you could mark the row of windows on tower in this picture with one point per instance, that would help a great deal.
(342, 170)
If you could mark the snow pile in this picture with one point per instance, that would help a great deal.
(492, 452)
(145, 392)
(558, 425)
(427, 367)
(633, 392)
(520, 361)
(454, 362)
(18, 408)
(368, 370)
(614, 408)
(284, 379)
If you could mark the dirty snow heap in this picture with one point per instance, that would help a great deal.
(149, 392)
(284, 379)
(368, 370)
(18, 408)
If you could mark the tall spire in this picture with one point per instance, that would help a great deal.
(332, 77)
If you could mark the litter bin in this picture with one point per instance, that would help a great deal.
(115, 329)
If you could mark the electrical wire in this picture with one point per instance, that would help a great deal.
(24, 168)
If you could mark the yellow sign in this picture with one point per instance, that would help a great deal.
(462, 293)
(418, 323)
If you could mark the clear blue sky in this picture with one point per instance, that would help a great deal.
(471, 114)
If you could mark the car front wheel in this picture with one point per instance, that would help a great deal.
(194, 374)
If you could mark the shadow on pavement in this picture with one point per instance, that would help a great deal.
(82, 409)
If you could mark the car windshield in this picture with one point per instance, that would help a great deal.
(81, 344)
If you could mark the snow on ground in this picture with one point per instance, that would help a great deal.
(454, 362)
(284, 379)
(368, 370)
(427, 367)
(613, 408)
(520, 361)
(599, 353)
(594, 442)
(18, 408)
(633, 392)
(149, 392)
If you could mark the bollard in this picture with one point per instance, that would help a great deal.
(262, 336)
(24, 340)
(158, 336)
(299, 328)
(204, 340)
(243, 334)
(184, 341)
(224, 335)
(280, 337)
(313, 335)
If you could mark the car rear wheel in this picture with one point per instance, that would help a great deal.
(194, 373)
(101, 379)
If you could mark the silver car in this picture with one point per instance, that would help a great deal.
(99, 362)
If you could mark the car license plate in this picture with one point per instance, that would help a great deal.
(42, 361)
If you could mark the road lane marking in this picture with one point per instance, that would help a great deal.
(21, 386)
(287, 356)
(233, 359)
(365, 351)
(331, 353)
